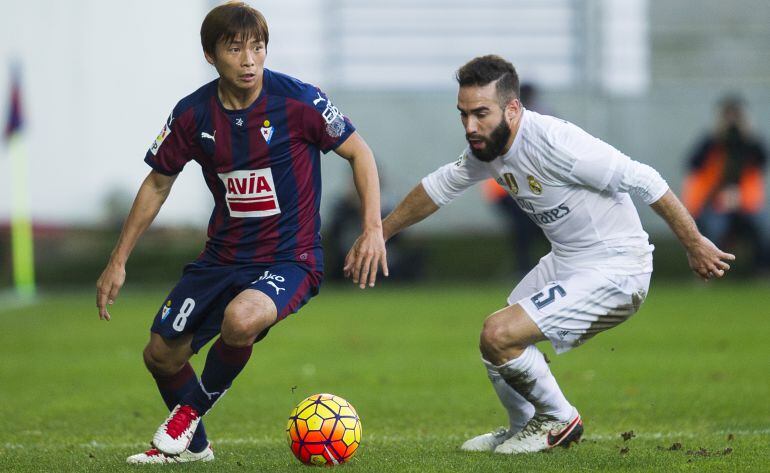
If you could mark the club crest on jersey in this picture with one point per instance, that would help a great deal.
(165, 311)
(164, 133)
(534, 186)
(335, 122)
(250, 193)
(267, 131)
(336, 128)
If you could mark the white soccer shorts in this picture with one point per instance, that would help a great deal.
(571, 305)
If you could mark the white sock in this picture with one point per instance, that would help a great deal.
(530, 376)
(519, 409)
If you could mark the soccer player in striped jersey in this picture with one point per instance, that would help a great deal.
(257, 136)
(576, 188)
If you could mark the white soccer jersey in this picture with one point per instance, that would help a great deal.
(574, 186)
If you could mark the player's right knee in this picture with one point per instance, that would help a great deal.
(160, 365)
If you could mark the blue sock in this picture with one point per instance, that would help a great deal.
(223, 364)
(172, 389)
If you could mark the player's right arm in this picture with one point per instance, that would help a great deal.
(434, 191)
(152, 193)
(416, 206)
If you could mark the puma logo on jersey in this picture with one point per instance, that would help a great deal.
(209, 137)
(330, 112)
(270, 277)
(277, 289)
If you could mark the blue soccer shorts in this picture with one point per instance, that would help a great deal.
(197, 303)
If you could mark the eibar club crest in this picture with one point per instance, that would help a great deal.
(534, 186)
(166, 310)
(267, 131)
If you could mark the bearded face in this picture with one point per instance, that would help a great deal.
(488, 121)
(488, 148)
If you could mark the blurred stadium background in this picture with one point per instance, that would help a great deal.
(98, 79)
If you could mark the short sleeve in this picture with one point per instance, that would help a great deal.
(449, 181)
(170, 151)
(579, 158)
(323, 123)
(582, 159)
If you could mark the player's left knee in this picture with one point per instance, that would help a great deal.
(498, 342)
(493, 339)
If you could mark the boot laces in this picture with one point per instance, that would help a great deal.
(181, 421)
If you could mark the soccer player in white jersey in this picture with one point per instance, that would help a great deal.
(577, 189)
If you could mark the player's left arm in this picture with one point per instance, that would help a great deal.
(627, 175)
(368, 251)
(595, 164)
(705, 259)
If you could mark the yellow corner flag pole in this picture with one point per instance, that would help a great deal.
(22, 240)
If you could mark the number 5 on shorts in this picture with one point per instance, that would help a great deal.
(541, 300)
(181, 319)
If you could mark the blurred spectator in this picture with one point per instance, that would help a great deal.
(724, 188)
(344, 226)
(529, 95)
(521, 231)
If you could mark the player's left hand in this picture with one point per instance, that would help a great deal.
(365, 257)
(708, 261)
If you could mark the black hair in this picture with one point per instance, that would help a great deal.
(483, 70)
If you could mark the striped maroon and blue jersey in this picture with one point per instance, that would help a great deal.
(262, 165)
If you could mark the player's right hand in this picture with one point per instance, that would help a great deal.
(365, 257)
(108, 286)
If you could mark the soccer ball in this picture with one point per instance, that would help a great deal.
(324, 429)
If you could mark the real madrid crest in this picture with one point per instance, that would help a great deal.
(534, 186)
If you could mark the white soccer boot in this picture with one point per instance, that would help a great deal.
(542, 433)
(155, 456)
(486, 442)
(174, 435)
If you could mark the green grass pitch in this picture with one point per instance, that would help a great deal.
(686, 379)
